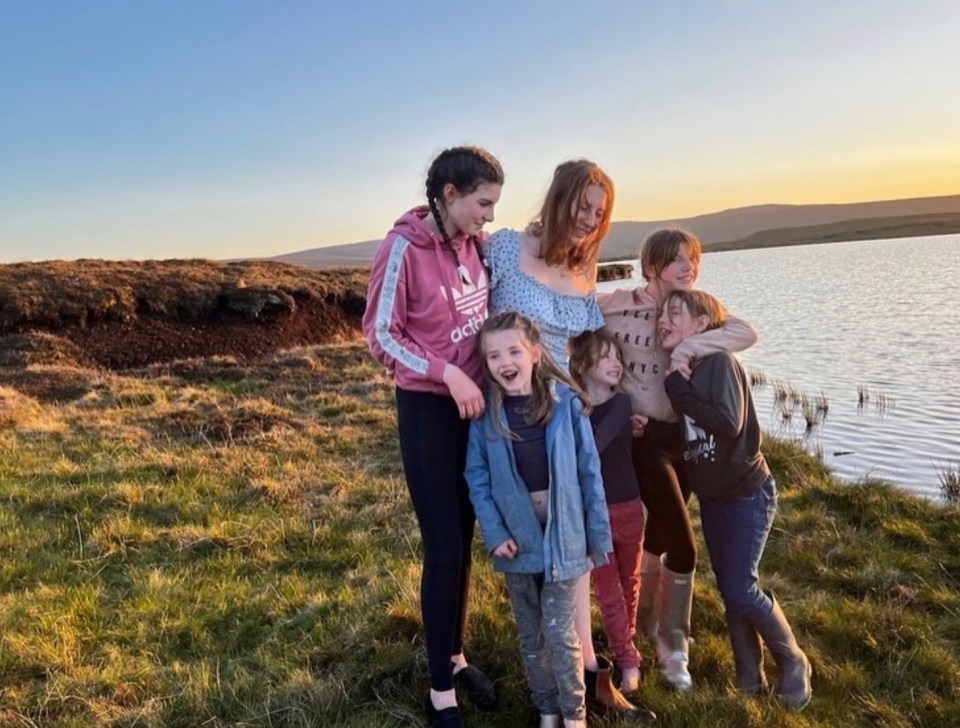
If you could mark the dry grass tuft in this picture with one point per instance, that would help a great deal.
(25, 413)
(51, 383)
(22, 350)
(216, 423)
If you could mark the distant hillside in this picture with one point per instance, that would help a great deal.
(866, 229)
(730, 225)
(718, 227)
(348, 254)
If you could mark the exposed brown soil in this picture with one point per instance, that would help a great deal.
(123, 314)
(151, 339)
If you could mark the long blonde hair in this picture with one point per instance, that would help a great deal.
(545, 373)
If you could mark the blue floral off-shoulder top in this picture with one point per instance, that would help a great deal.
(559, 316)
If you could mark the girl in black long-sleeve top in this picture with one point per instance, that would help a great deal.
(737, 494)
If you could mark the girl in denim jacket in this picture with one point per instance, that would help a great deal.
(534, 478)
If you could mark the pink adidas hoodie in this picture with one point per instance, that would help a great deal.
(421, 311)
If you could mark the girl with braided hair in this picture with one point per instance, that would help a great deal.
(426, 301)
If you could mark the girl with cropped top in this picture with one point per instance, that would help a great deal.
(534, 479)
(548, 272)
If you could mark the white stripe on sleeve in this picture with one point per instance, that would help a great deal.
(388, 298)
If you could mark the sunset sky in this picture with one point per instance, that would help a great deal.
(231, 128)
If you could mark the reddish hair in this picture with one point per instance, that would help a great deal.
(558, 225)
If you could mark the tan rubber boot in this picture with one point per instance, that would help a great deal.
(648, 612)
(794, 686)
(747, 655)
(673, 634)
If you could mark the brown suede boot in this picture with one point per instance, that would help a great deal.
(603, 697)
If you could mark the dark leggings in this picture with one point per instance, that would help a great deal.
(433, 445)
(665, 492)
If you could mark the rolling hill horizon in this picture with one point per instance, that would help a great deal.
(715, 230)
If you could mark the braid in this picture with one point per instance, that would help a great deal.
(466, 168)
(432, 202)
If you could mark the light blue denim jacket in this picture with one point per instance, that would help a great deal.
(576, 536)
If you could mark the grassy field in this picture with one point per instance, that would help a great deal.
(229, 543)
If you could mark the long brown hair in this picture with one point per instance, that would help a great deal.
(545, 373)
(558, 225)
(586, 350)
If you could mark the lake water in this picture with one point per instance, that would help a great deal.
(872, 328)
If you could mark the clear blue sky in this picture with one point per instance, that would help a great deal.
(228, 128)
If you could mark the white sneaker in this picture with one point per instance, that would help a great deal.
(675, 672)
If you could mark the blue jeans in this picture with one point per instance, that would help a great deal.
(736, 533)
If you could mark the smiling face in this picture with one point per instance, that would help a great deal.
(510, 360)
(676, 323)
(587, 213)
(680, 274)
(606, 372)
(468, 213)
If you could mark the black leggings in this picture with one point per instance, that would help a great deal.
(665, 492)
(433, 445)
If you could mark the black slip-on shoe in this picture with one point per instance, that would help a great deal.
(445, 718)
(478, 687)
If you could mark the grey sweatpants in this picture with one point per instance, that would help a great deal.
(544, 611)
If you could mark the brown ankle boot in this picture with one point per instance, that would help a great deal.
(603, 697)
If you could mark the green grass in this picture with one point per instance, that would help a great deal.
(184, 549)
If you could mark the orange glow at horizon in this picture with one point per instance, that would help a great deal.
(689, 194)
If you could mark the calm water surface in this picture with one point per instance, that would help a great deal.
(874, 327)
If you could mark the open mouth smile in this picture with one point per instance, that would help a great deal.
(509, 375)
